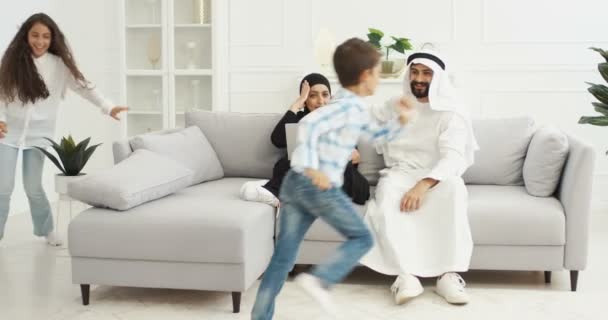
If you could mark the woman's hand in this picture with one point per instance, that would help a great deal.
(412, 200)
(117, 110)
(299, 104)
(3, 129)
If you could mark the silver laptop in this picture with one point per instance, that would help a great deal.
(291, 134)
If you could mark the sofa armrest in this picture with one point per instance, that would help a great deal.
(575, 193)
(121, 149)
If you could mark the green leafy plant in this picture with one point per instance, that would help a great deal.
(400, 44)
(600, 92)
(72, 157)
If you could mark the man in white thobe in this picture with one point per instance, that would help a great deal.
(419, 214)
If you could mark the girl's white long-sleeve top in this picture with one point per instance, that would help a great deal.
(28, 124)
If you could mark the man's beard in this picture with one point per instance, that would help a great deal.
(420, 93)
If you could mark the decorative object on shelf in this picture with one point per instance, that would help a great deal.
(156, 95)
(390, 68)
(152, 7)
(72, 159)
(199, 11)
(325, 45)
(154, 51)
(191, 45)
(195, 83)
(600, 92)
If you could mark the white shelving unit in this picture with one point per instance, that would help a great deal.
(169, 61)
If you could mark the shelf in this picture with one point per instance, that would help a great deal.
(144, 112)
(193, 72)
(181, 110)
(144, 26)
(144, 72)
(192, 25)
(168, 71)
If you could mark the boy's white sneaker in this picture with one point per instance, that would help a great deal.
(253, 191)
(405, 288)
(312, 286)
(53, 239)
(451, 287)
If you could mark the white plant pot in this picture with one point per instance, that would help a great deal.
(62, 181)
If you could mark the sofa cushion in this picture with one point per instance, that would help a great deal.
(545, 161)
(503, 144)
(131, 182)
(241, 141)
(371, 162)
(203, 223)
(188, 147)
(498, 215)
(121, 149)
(508, 215)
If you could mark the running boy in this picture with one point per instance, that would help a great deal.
(312, 188)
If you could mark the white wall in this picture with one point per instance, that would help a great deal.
(91, 28)
(510, 57)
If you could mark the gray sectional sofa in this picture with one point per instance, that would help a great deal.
(205, 237)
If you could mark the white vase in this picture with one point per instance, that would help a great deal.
(62, 181)
(199, 11)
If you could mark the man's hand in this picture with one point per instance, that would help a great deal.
(318, 178)
(3, 129)
(355, 157)
(412, 200)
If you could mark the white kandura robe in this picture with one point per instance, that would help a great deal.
(436, 238)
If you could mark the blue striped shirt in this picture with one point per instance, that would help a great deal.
(327, 137)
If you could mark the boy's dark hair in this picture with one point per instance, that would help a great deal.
(352, 58)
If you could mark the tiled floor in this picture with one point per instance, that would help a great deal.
(35, 283)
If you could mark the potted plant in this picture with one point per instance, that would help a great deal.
(600, 92)
(72, 159)
(400, 45)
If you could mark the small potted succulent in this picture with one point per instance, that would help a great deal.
(600, 92)
(389, 67)
(72, 158)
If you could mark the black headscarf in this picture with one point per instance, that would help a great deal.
(314, 79)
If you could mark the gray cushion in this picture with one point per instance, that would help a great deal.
(131, 182)
(122, 148)
(503, 145)
(203, 223)
(545, 161)
(371, 162)
(498, 215)
(188, 147)
(241, 141)
(508, 215)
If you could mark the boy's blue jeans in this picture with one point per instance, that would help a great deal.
(301, 204)
(33, 163)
